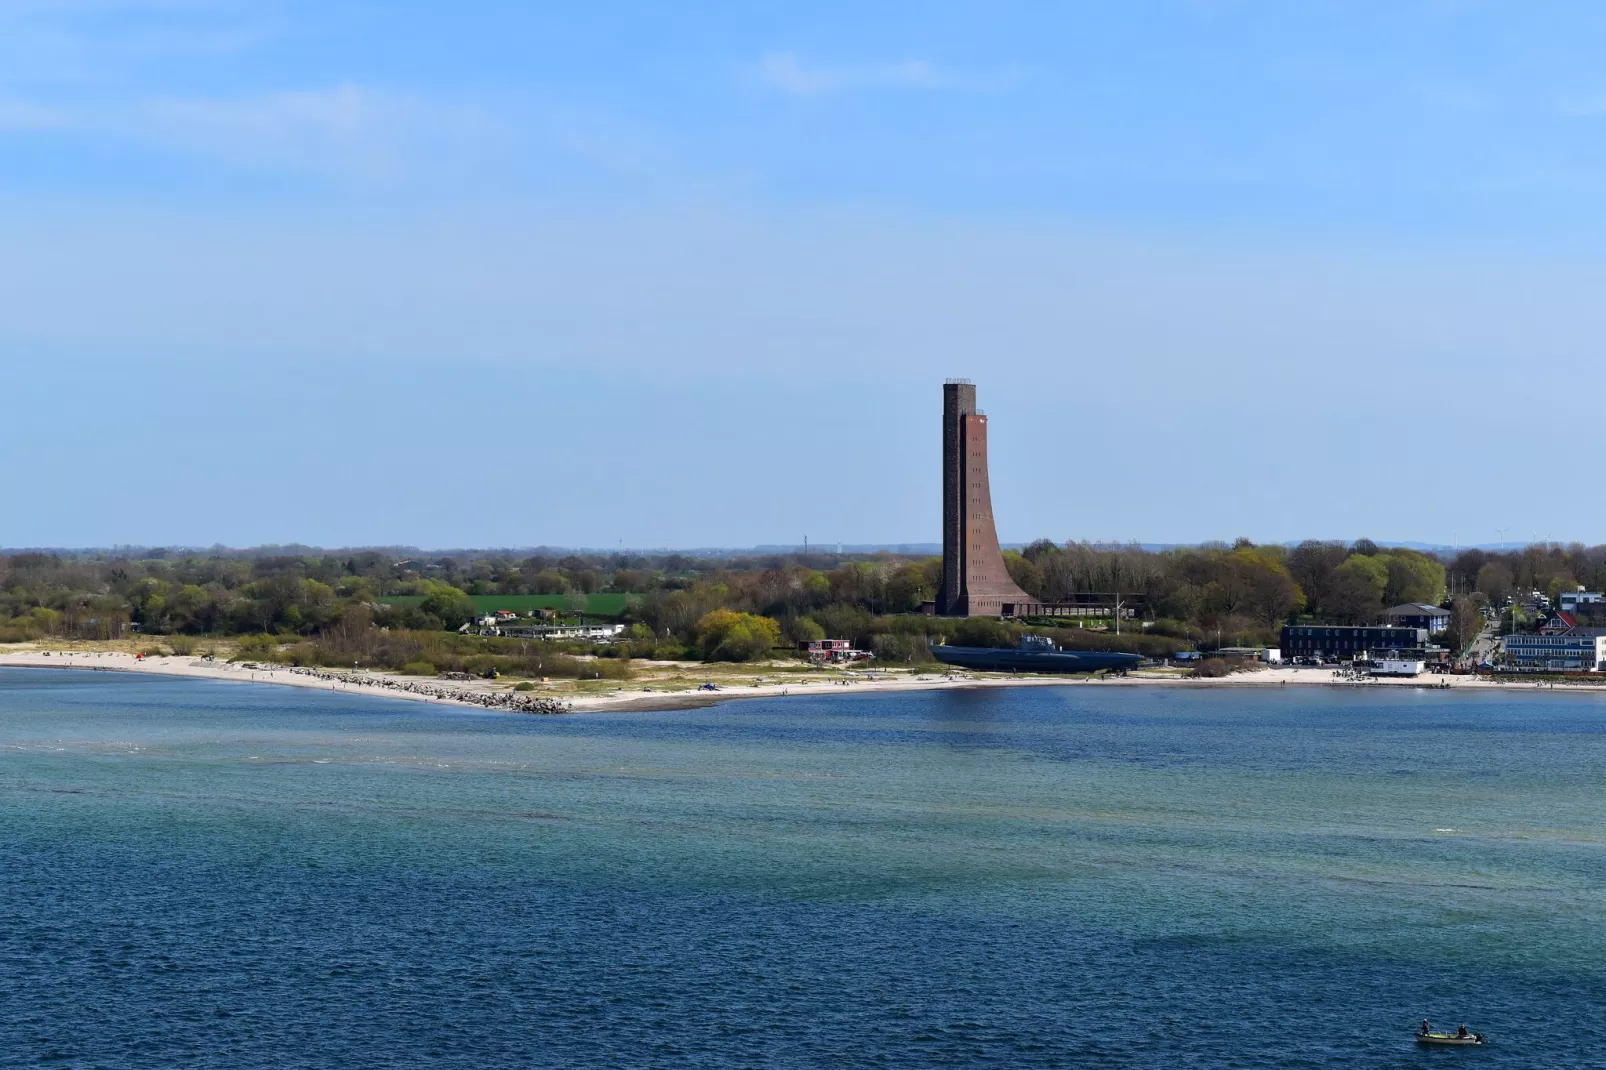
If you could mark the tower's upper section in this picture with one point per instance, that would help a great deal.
(958, 398)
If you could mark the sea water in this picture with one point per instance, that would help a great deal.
(209, 874)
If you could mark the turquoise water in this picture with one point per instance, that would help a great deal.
(211, 874)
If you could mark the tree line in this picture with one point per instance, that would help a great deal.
(732, 608)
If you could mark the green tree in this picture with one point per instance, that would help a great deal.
(1558, 584)
(724, 635)
(908, 587)
(317, 604)
(1024, 571)
(189, 608)
(1466, 621)
(1356, 596)
(842, 621)
(1312, 564)
(548, 581)
(1412, 577)
(451, 605)
(817, 589)
(1495, 581)
(359, 588)
(1463, 571)
(1266, 590)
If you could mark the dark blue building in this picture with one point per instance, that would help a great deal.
(1348, 640)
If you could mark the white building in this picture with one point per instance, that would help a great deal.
(1580, 650)
(589, 633)
(1568, 601)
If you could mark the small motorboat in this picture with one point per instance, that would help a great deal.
(1452, 1039)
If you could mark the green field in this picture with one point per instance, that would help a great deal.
(603, 605)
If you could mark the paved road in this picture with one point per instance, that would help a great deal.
(1486, 645)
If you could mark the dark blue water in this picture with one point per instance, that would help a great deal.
(222, 875)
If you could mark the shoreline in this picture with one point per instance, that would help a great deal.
(481, 694)
(500, 697)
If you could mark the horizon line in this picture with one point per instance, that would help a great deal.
(827, 549)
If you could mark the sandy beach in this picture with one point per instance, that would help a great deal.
(674, 685)
(657, 691)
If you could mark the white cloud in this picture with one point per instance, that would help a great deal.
(345, 128)
(46, 43)
(1583, 106)
(355, 133)
(347, 131)
(25, 115)
(64, 8)
(785, 72)
(1456, 98)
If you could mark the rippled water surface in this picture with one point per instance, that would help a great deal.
(225, 875)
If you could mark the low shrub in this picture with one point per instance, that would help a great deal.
(255, 647)
(418, 668)
(19, 630)
(524, 685)
(183, 645)
(605, 670)
(484, 664)
(1215, 668)
(894, 649)
(661, 650)
(1134, 642)
(303, 654)
(480, 656)
(984, 632)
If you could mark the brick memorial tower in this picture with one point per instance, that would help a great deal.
(974, 580)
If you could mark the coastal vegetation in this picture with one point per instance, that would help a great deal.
(1215, 668)
(401, 610)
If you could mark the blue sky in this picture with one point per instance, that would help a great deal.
(503, 274)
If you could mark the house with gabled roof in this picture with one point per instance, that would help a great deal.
(1418, 615)
(1558, 623)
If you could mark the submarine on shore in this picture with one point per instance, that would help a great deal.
(1036, 653)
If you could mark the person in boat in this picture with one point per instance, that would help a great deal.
(1424, 1030)
(1462, 1032)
